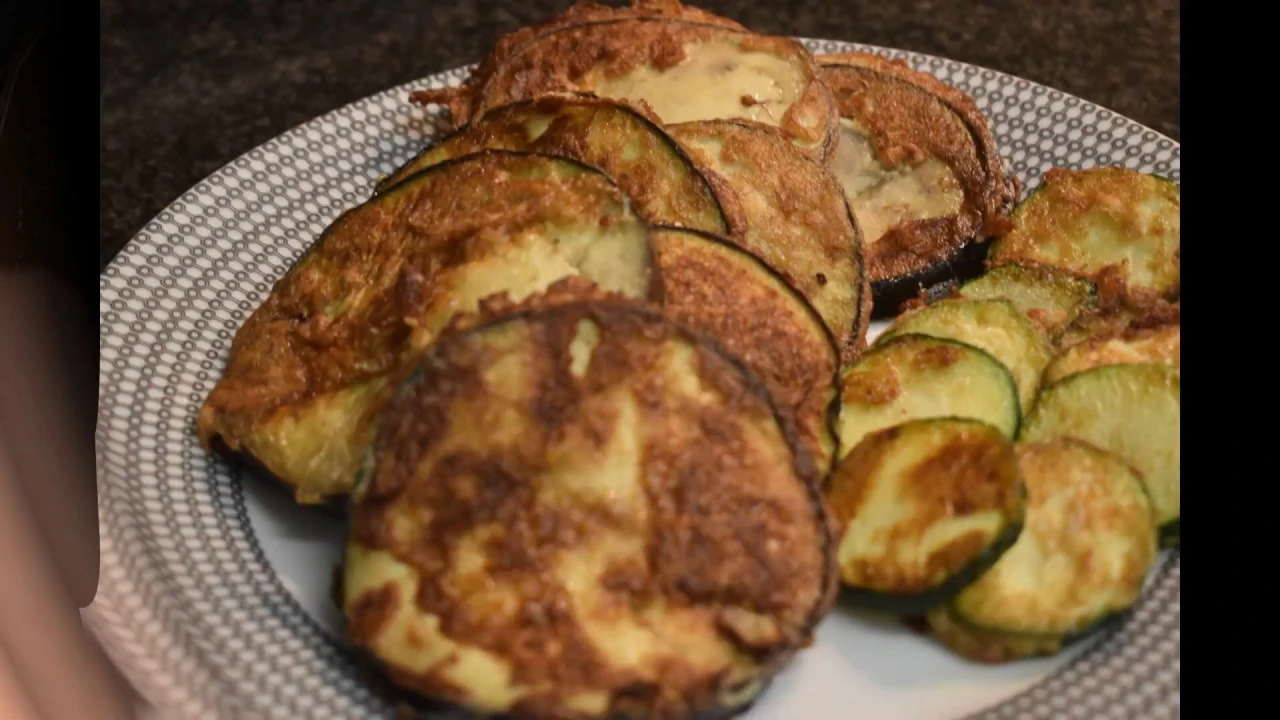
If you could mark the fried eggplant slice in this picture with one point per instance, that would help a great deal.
(312, 366)
(1052, 298)
(585, 510)
(796, 217)
(913, 377)
(1134, 411)
(1160, 345)
(993, 325)
(1086, 548)
(683, 69)
(922, 173)
(723, 291)
(616, 137)
(1087, 221)
(924, 509)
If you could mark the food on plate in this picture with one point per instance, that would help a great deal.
(796, 217)
(1051, 298)
(995, 326)
(913, 377)
(1158, 345)
(685, 66)
(312, 366)
(1118, 311)
(1087, 545)
(585, 510)
(922, 173)
(1133, 411)
(924, 508)
(723, 291)
(620, 139)
(1089, 221)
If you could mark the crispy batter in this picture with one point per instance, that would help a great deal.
(909, 117)
(647, 502)
(601, 47)
(1120, 312)
(721, 290)
(1160, 345)
(894, 502)
(312, 365)
(797, 219)
(620, 138)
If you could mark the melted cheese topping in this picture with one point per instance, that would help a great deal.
(716, 79)
(882, 198)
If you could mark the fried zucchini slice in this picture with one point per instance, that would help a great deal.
(921, 171)
(993, 325)
(585, 510)
(1086, 221)
(1162, 345)
(723, 291)
(1087, 545)
(1118, 313)
(1051, 298)
(619, 139)
(1134, 411)
(796, 217)
(683, 68)
(312, 366)
(924, 508)
(912, 377)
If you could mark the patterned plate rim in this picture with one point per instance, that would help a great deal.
(143, 608)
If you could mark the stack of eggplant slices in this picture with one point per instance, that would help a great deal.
(589, 376)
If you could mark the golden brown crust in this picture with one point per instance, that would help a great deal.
(1120, 313)
(731, 537)
(912, 115)
(621, 138)
(357, 301)
(797, 218)
(715, 287)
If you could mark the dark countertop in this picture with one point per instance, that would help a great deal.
(188, 86)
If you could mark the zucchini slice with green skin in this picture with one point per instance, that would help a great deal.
(924, 508)
(310, 369)
(623, 141)
(986, 645)
(912, 377)
(1154, 346)
(1086, 548)
(996, 326)
(922, 173)
(723, 291)
(543, 529)
(1086, 221)
(796, 217)
(1133, 411)
(1052, 298)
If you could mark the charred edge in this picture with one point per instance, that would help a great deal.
(334, 506)
(400, 174)
(418, 175)
(859, 322)
(920, 603)
(804, 465)
(932, 283)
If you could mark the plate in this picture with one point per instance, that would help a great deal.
(214, 595)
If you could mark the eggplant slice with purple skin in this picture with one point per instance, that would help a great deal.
(684, 64)
(922, 173)
(542, 529)
(311, 368)
(622, 139)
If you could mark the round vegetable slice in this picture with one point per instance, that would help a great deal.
(923, 509)
(1088, 542)
(1049, 297)
(311, 367)
(1160, 345)
(1134, 411)
(585, 510)
(1089, 221)
(723, 291)
(993, 325)
(911, 377)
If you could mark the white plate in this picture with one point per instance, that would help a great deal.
(214, 594)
